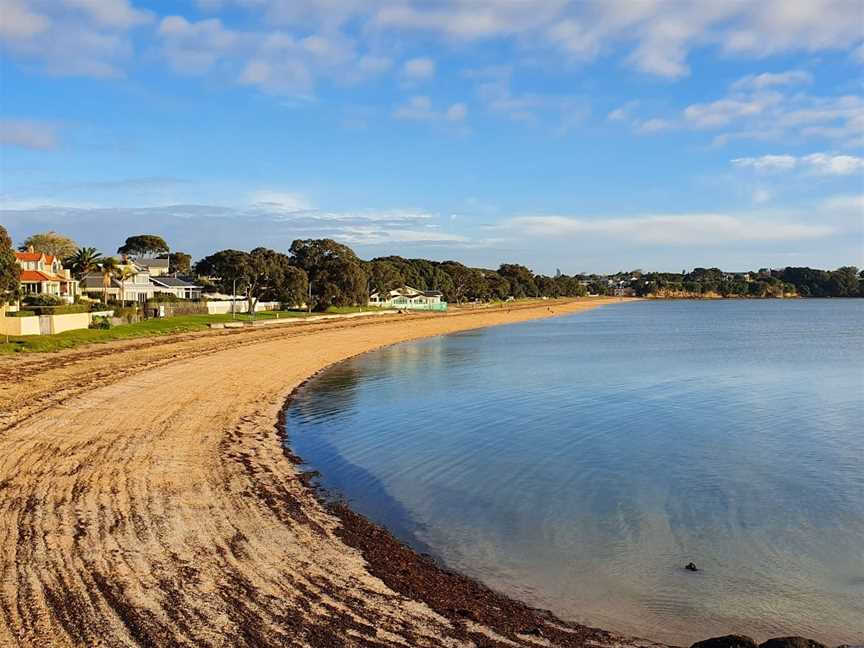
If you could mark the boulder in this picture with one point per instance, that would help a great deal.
(791, 642)
(729, 641)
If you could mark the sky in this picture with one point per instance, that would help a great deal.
(588, 136)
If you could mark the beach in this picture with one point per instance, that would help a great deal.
(148, 500)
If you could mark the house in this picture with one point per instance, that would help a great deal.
(43, 274)
(136, 288)
(409, 298)
(155, 266)
(180, 288)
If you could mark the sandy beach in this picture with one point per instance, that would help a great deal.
(147, 500)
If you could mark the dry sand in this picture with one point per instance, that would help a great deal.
(145, 500)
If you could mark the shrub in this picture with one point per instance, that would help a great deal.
(163, 297)
(43, 300)
(100, 323)
(20, 313)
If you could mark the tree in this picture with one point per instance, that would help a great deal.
(144, 245)
(843, 282)
(9, 270)
(336, 276)
(50, 243)
(521, 280)
(384, 276)
(179, 263)
(280, 281)
(123, 274)
(83, 262)
(260, 274)
(108, 266)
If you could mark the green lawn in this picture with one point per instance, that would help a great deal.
(147, 328)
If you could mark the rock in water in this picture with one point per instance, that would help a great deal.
(729, 641)
(691, 567)
(791, 642)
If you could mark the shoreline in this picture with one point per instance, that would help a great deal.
(148, 499)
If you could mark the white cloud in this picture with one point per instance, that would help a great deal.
(769, 80)
(824, 164)
(418, 69)
(29, 134)
(418, 107)
(767, 162)
(457, 112)
(817, 163)
(20, 22)
(670, 229)
(849, 205)
(279, 200)
(656, 37)
(118, 14)
(71, 37)
(653, 125)
(724, 111)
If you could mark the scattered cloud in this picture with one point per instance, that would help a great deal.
(28, 134)
(457, 112)
(763, 107)
(671, 229)
(421, 108)
(279, 201)
(771, 80)
(71, 37)
(418, 69)
(817, 163)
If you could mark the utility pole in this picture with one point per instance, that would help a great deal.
(233, 299)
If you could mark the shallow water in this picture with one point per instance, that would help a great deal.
(579, 462)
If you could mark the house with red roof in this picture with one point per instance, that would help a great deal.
(43, 274)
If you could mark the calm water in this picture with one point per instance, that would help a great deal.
(580, 462)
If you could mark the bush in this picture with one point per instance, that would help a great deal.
(43, 300)
(20, 313)
(163, 297)
(100, 323)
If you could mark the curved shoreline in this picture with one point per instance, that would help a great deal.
(146, 501)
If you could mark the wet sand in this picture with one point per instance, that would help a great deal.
(146, 500)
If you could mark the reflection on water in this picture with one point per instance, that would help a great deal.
(580, 462)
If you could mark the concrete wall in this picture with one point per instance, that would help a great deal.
(19, 325)
(69, 322)
(53, 323)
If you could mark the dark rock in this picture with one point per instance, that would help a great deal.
(691, 567)
(533, 631)
(791, 642)
(729, 641)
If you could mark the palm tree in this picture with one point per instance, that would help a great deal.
(109, 267)
(123, 273)
(83, 262)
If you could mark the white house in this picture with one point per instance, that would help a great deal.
(409, 298)
(180, 288)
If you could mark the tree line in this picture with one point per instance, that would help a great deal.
(846, 281)
(322, 273)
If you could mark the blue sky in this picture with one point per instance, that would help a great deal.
(586, 136)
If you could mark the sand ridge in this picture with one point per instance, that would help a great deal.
(146, 500)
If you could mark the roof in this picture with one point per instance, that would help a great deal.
(33, 256)
(95, 281)
(152, 262)
(172, 282)
(37, 276)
